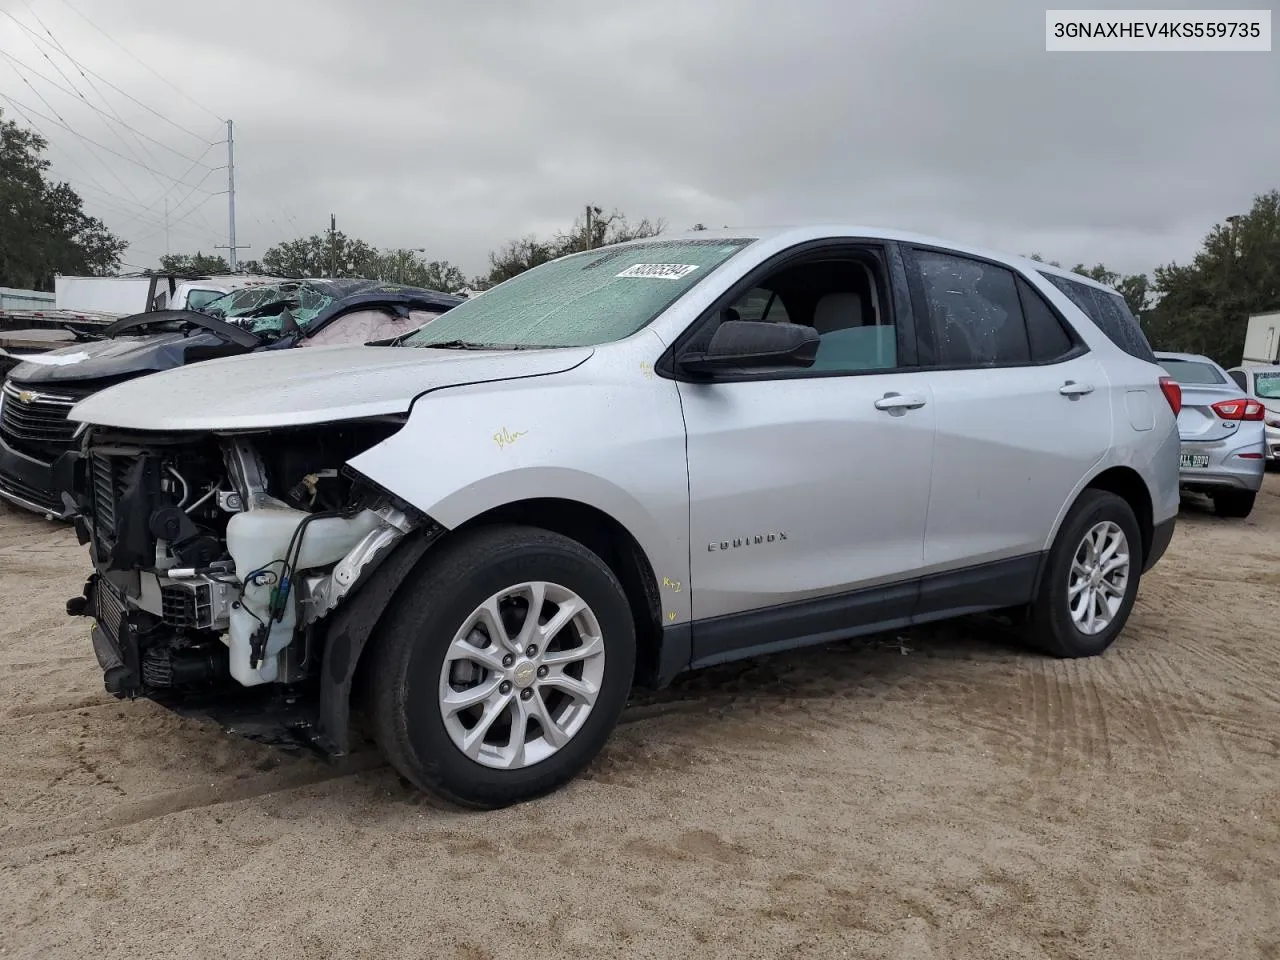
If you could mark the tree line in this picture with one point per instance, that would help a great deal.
(1198, 307)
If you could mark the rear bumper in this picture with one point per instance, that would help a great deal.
(1161, 537)
(1226, 468)
(1272, 442)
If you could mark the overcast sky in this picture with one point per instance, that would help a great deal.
(456, 125)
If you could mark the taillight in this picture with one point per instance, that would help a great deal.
(1242, 409)
(1173, 393)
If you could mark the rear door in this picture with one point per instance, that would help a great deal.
(1022, 410)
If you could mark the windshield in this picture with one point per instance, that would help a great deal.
(1266, 386)
(1192, 371)
(582, 300)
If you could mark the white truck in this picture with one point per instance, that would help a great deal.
(1262, 339)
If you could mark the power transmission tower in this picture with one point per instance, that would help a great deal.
(333, 245)
(230, 247)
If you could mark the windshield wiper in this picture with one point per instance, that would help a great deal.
(472, 345)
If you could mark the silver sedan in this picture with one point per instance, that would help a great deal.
(1221, 429)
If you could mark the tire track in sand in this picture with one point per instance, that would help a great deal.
(15, 840)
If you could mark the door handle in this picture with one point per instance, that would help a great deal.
(1073, 389)
(898, 401)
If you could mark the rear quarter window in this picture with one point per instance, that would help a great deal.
(1109, 313)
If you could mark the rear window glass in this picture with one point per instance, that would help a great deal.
(1049, 341)
(976, 313)
(1192, 371)
(1267, 386)
(1109, 313)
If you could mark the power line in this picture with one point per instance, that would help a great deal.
(85, 100)
(95, 143)
(164, 79)
(63, 122)
(83, 69)
(76, 163)
(101, 96)
(182, 181)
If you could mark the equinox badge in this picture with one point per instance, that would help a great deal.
(747, 541)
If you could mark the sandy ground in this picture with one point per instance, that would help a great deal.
(948, 796)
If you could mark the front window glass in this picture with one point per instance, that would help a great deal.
(586, 299)
(198, 299)
(1267, 386)
(1192, 371)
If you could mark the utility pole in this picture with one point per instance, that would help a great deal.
(333, 246)
(588, 226)
(230, 246)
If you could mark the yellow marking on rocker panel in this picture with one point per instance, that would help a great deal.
(672, 615)
(504, 437)
(670, 584)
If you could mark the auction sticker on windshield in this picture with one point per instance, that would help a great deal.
(659, 271)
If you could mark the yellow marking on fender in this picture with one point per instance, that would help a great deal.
(504, 437)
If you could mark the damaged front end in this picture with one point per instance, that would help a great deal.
(220, 560)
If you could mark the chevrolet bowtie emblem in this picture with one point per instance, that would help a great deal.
(26, 396)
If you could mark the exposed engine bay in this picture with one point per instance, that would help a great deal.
(217, 558)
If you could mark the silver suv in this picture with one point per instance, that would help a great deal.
(615, 467)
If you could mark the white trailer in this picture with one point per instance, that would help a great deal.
(1262, 338)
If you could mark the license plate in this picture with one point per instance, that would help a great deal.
(1193, 460)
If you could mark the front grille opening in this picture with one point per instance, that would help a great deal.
(36, 416)
(186, 605)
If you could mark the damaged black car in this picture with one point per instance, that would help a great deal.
(39, 457)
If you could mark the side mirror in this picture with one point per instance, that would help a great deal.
(749, 344)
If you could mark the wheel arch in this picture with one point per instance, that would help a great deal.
(1127, 484)
(612, 542)
(352, 632)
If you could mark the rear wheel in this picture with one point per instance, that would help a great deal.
(503, 668)
(1234, 503)
(1090, 579)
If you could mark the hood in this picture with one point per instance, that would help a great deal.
(112, 359)
(299, 387)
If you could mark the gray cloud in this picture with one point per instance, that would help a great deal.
(455, 126)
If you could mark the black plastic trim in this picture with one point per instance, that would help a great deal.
(989, 586)
(1161, 537)
(348, 629)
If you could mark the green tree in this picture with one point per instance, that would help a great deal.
(1135, 288)
(1204, 306)
(322, 255)
(44, 230)
(406, 266)
(198, 264)
(517, 256)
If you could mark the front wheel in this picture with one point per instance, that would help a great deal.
(1234, 503)
(1090, 579)
(503, 667)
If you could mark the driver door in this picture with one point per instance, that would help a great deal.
(807, 488)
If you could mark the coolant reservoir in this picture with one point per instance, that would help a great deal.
(256, 538)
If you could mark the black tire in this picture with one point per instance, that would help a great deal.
(1234, 503)
(415, 635)
(1050, 628)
